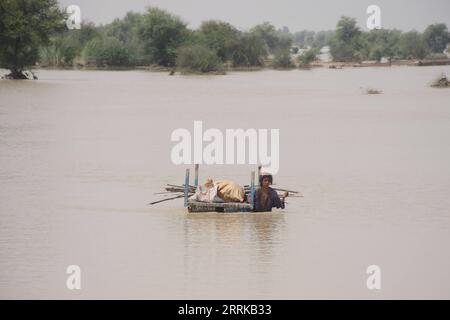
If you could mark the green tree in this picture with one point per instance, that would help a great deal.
(126, 28)
(126, 31)
(412, 46)
(86, 33)
(219, 36)
(250, 51)
(275, 40)
(346, 43)
(162, 33)
(24, 26)
(379, 43)
(436, 36)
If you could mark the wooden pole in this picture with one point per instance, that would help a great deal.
(167, 199)
(259, 174)
(252, 191)
(186, 188)
(196, 176)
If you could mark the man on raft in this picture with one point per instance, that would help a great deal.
(267, 198)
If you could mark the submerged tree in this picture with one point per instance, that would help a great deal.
(307, 57)
(198, 59)
(282, 60)
(24, 26)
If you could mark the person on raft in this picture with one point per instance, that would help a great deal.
(267, 198)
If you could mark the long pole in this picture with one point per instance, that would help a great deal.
(196, 176)
(186, 188)
(252, 191)
(167, 199)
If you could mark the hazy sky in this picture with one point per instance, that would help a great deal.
(295, 14)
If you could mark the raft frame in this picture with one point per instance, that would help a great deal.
(197, 206)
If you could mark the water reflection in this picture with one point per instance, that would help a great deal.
(227, 238)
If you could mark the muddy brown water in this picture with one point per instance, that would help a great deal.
(82, 152)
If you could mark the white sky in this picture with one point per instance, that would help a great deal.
(295, 14)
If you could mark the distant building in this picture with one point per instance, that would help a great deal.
(324, 54)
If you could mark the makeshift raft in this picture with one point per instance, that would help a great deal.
(186, 190)
(197, 206)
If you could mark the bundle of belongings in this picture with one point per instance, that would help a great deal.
(219, 191)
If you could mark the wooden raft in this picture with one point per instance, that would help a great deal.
(197, 206)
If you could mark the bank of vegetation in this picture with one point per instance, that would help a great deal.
(31, 32)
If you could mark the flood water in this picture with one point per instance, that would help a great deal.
(83, 152)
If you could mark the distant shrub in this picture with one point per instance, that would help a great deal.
(373, 91)
(282, 60)
(198, 59)
(440, 82)
(106, 51)
(307, 57)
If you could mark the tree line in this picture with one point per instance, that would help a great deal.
(349, 43)
(32, 31)
(160, 38)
